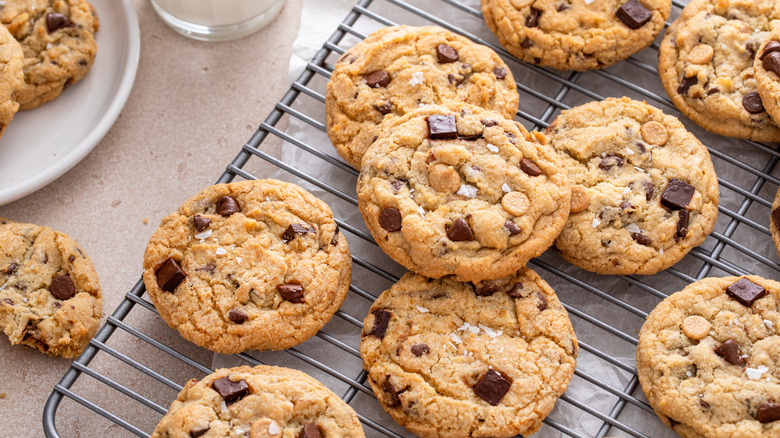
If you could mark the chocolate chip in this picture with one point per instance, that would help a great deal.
(530, 167)
(310, 430)
(703, 403)
(229, 390)
(542, 306)
(776, 217)
(62, 287)
(388, 387)
(460, 231)
(446, 54)
(442, 127)
(10, 269)
(455, 80)
(500, 72)
(381, 320)
(513, 229)
(649, 190)
(335, 240)
(677, 194)
(71, 259)
(488, 123)
(169, 275)
(768, 413)
(682, 222)
(377, 79)
(641, 238)
(385, 108)
(492, 387)
(772, 46)
(201, 223)
(55, 21)
(752, 103)
(563, 7)
(772, 62)
(486, 290)
(712, 91)
(390, 219)
(730, 351)
(625, 205)
(745, 291)
(420, 349)
(752, 47)
(198, 432)
(687, 83)
(634, 14)
(533, 19)
(237, 316)
(291, 292)
(515, 291)
(208, 268)
(227, 206)
(8, 301)
(293, 230)
(611, 161)
(527, 43)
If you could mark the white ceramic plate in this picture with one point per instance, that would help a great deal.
(41, 144)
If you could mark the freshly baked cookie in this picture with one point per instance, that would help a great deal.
(706, 65)
(259, 402)
(398, 69)
(251, 265)
(774, 221)
(450, 359)
(57, 37)
(644, 191)
(767, 70)
(49, 292)
(575, 34)
(708, 358)
(457, 190)
(11, 76)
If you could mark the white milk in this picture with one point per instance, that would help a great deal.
(216, 12)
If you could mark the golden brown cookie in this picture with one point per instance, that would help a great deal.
(766, 67)
(11, 76)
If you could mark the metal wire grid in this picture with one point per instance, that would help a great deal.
(610, 342)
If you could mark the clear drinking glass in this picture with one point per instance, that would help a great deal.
(217, 20)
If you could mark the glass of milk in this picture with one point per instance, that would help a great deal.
(217, 20)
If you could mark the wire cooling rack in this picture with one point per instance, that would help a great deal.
(604, 398)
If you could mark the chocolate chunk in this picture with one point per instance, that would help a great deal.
(227, 206)
(746, 292)
(641, 239)
(772, 46)
(442, 127)
(291, 292)
(390, 219)
(649, 190)
(682, 222)
(634, 14)
(471, 138)
(229, 390)
(488, 123)
(460, 231)
(687, 83)
(385, 108)
(625, 205)
(388, 387)
(198, 432)
(492, 387)
(768, 413)
(513, 229)
(10, 269)
(486, 290)
(62, 287)
(55, 21)
(446, 54)
(704, 404)
(455, 80)
(530, 167)
(515, 291)
(500, 72)
(169, 275)
(677, 194)
(293, 230)
(752, 103)
(772, 62)
(563, 7)
(712, 91)
(201, 223)
(527, 43)
(237, 316)
(420, 349)
(730, 351)
(377, 79)
(611, 161)
(310, 431)
(71, 258)
(542, 306)
(335, 240)
(381, 320)
(776, 217)
(533, 19)
(8, 301)
(208, 268)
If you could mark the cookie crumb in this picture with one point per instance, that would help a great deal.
(146, 221)
(2, 395)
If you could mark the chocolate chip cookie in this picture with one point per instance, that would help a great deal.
(259, 402)
(11, 76)
(398, 69)
(457, 190)
(575, 34)
(57, 37)
(774, 221)
(49, 292)
(251, 265)
(767, 70)
(706, 65)
(644, 191)
(469, 360)
(708, 358)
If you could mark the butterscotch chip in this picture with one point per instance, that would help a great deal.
(579, 199)
(695, 327)
(515, 203)
(655, 133)
(443, 178)
(701, 54)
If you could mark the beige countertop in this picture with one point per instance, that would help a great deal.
(192, 107)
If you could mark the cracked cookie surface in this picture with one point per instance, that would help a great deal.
(575, 34)
(451, 359)
(259, 402)
(11, 77)
(644, 191)
(57, 38)
(457, 190)
(706, 65)
(50, 296)
(250, 265)
(708, 358)
(398, 69)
